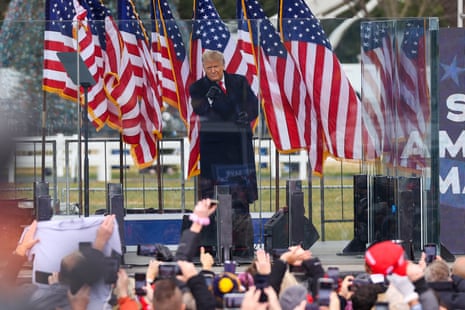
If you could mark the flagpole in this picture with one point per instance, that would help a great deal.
(121, 160)
(159, 180)
(460, 15)
(44, 117)
(79, 149)
(85, 124)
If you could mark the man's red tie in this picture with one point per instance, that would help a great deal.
(222, 86)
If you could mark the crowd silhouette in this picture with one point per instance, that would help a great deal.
(87, 277)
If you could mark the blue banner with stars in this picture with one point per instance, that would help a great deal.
(452, 138)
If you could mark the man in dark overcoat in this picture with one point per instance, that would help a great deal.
(226, 106)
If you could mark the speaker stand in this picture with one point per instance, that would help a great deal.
(446, 254)
(355, 247)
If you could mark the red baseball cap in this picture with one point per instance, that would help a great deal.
(386, 257)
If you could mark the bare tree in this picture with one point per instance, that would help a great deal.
(445, 10)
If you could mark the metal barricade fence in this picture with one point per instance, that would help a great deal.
(164, 187)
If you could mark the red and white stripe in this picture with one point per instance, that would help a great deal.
(336, 103)
(378, 103)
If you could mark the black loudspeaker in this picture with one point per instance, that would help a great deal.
(44, 211)
(311, 235)
(40, 189)
(42, 201)
(113, 189)
(277, 228)
(384, 213)
(292, 186)
(225, 228)
(360, 241)
(409, 206)
(276, 231)
(296, 215)
(301, 230)
(117, 208)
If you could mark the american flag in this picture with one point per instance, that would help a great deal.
(171, 60)
(246, 48)
(120, 84)
(146, 81)
(286, 104)
(414, 97)
(69, 28)
(209, 32)
(115, 73)
(338, 108)
(170, 55)
(58, 37)
(93, 47)
(378, 92)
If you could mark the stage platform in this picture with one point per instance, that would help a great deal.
(327, 252)
(166, 229)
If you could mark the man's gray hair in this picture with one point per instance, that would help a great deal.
(212, 55)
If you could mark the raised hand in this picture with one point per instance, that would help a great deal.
(28, 240)
(104, 232)
(206, 259)
(213, 92)
(263, 262)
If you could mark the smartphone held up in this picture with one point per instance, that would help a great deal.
(325, 287)
(431, 252)
(140, 283)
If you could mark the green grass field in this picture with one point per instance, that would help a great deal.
(331, 196)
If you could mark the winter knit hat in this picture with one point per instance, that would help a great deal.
(292, 296)
(225, 283)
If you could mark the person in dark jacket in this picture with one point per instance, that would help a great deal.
(449, 288)
(190, 238)
(195, 281)
(226, 107)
